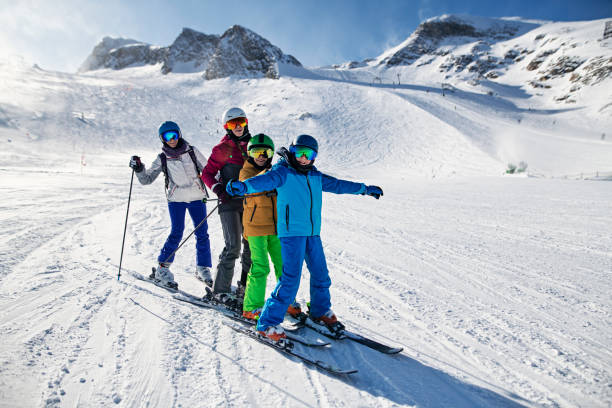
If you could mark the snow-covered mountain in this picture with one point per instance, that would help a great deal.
(497, 286)
(567, 62)
(239, 51)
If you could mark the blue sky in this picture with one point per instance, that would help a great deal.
(58, 35)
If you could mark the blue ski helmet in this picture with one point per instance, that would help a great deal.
(306, 140)
(166, 126)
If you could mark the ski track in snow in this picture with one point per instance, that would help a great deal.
(496, 287)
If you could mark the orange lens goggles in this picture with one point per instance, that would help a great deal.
(231, 125)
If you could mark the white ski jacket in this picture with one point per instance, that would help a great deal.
(184, 184)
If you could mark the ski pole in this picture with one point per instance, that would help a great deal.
(190, 234)
(125, 228)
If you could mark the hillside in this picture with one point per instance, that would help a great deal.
(497, 287)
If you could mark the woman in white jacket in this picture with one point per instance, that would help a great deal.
(182, 165)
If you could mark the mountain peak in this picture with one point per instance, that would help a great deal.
(105, 53)
(244, 53)
(238, 51)
(451, 28)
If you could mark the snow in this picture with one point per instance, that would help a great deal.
(497, 287)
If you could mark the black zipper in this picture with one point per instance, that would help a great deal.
(287, 216)
(310, 190)
(253, 214)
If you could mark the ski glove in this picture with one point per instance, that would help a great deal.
(221, 194)
(373, 191)
(136, 164)
(236, 188)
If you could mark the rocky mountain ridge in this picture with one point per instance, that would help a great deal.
(239, 51)
(541, 55)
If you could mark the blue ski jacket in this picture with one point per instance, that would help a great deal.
(299, 199)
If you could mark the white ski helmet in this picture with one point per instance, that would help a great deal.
(233, 113)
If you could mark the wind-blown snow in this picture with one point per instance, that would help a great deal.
(498, 287)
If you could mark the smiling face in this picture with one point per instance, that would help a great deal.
(261, 160)
(238, 131)
(172, 143)
(303, 160)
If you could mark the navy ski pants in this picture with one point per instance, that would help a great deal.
(295, 250)
(197, 211)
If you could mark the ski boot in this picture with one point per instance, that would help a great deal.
(330, 321)
(164, 276)
(294, 310)
(251, 314)
(275, 334)
(203, 274)
(225, 299)
(240, 289)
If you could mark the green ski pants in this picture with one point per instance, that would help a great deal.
(255, 292)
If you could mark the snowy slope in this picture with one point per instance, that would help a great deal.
(497, 287)
(542, 67)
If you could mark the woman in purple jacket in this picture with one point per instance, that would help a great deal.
(224, 164)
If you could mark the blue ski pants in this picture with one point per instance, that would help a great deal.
(295, 250)
(197, 211)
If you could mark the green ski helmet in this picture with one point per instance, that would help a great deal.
(260, 140)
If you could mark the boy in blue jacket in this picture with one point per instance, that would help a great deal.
(299, 186)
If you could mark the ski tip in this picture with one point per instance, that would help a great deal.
(335, 370)
(137, 275)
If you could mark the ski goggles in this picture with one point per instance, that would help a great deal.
(299, 151)
(255, 152)
(231, 124)
(170, 135)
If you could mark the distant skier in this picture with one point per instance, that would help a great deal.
(181, 164)
(259, 223)
(299, 186)
(224, 163)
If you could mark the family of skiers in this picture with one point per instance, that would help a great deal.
(272, 212)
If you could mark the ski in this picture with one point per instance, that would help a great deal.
(304, 321)
(172, 288)
(234, 315)
(185, 297)
(287, 347)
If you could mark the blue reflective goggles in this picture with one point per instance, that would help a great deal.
(170, 135)
(299, 151)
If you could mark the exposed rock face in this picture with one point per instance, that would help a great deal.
(594, 72)
(241, 52)
(119, 53)
(429, 35)
(539, 59)
(190, 52)
(238, 51)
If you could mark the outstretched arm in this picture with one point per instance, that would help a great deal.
(334, 185)
(264, 182)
